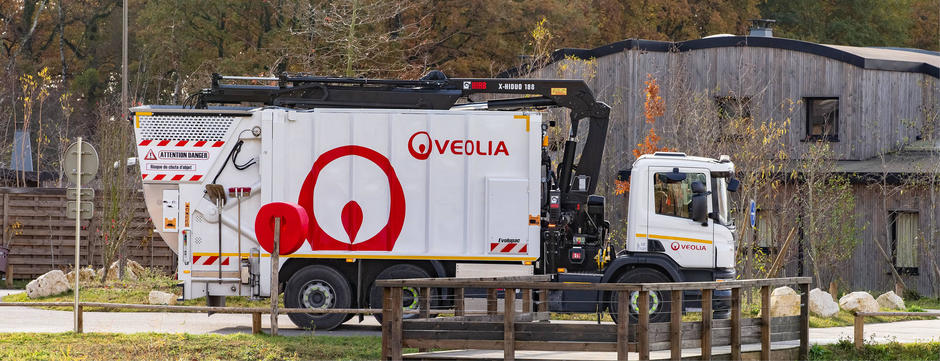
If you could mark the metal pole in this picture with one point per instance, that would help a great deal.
(78, 227)
(124, 65)
(274, 270)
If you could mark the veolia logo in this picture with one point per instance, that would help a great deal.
(689, 247)
(384, 239)
(421, 145)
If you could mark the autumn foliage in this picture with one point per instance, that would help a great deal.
(653, 107)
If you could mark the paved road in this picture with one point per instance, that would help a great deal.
(28, 319)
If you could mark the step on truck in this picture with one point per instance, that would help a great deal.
(413, 179)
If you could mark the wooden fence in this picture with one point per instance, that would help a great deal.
(510, 331)
(46, 240)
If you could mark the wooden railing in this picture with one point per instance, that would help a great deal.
(860, 322)
(510, 331)
(255, 312)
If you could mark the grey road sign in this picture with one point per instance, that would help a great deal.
(88, 209)
(87, 194)
(89, 163)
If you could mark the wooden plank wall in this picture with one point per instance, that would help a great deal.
(47, 241)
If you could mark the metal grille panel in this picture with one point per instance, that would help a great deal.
(189, 127)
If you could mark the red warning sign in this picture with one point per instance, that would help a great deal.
(150, 155)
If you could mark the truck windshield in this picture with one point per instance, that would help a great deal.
(723, 206)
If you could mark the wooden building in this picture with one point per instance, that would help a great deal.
(867, 104)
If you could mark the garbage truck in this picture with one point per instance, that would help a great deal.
(435, 177)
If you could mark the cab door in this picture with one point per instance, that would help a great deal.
(688, 242)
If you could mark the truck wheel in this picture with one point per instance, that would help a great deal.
(410, 296)
(659, 301)
(317, 286)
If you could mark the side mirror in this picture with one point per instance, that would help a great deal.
(700, 208)
(698, 187)
(733, 185)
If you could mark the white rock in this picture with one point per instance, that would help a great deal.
(87, 275)
(891, 300)
(858, 302)
(821, 303)
(132, 270)
(784, 301)
(49, 284)
(161, 298)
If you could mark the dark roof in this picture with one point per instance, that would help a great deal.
(906, 60)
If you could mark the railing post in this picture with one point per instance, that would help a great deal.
(643, 339)
(80, 325)
(491, 301)
(424, 311)
(706, 324)
(735, 323)
(804, 321)
(509, 329)
(391, 323)
(386, 322)
(543, 300)
(859, 331)
(275, 252)
(765, 322)
(623, 321)
(460, 307)
(527, 300)
(424, 304)
(256, 323)
(675, 328)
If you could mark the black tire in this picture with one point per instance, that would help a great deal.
(660, 304)
(409, 295)
(317, 286)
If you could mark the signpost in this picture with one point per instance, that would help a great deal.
(81, 164)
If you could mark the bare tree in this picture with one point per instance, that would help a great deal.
(361, 37)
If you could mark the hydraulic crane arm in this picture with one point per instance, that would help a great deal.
(433, 91)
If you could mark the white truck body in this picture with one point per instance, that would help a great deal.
(376, 184)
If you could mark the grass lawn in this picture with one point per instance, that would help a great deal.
(135, 292)
(924, 303)
(157, 346)
(845, 350)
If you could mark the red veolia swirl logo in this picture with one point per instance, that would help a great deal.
(351, 214)
(419, 145)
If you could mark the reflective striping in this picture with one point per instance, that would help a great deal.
(497, 247)
(671, 238)
(163, 177)
(381, 256)
(180, 143)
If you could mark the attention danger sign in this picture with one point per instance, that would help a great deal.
(179, 154)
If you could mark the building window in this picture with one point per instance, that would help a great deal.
(734, 114)
(675, 198)
(904, 232)
(822, 119)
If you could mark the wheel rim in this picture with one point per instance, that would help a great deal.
(318, 294)
(409, 298)
(635, 306)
